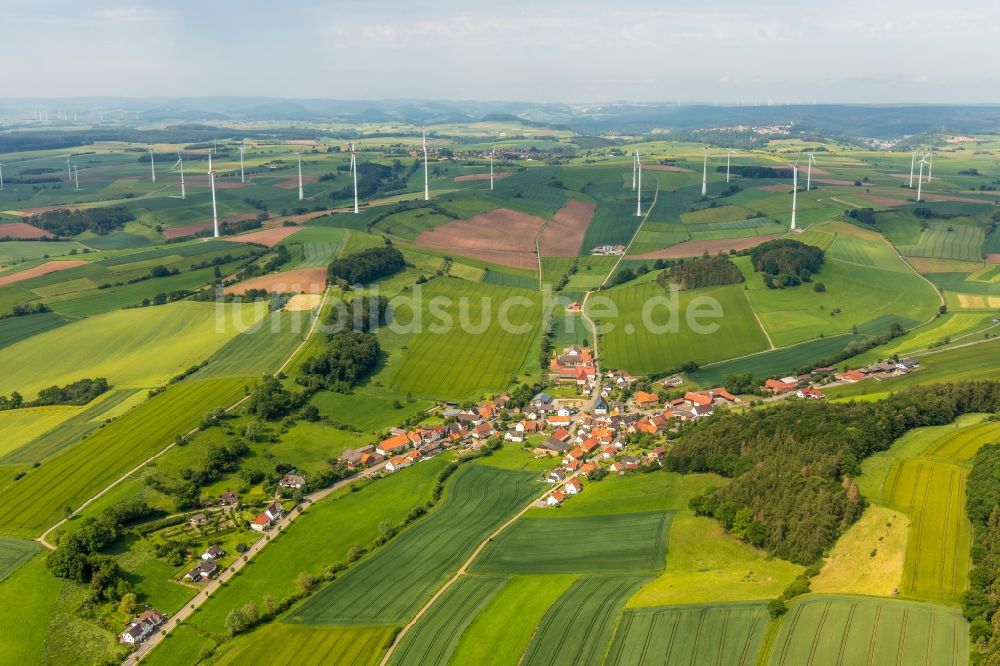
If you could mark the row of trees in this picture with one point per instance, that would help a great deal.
(792, 466)
(76, 393)
(349, 357)
(785, 256)
(980, 601)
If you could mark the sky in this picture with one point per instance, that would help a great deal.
(724, 51)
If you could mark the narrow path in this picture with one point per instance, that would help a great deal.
(770, 342)
(461, 570)
(43, 539)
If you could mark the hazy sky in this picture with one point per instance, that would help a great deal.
(571, 51)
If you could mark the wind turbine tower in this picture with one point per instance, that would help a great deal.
(69, 170)
(492, 151)
(795, 192)
(930, 164)
(215, 210)
(913, 162)
(809, 171)
(354, 172)
(729, 159)
(152, 164)
(301, 196)
(427, 188)
(635, 167)
(638, 196)
(180, 165)
(920, 178)
(242, 150)
(1, 176)
(704, 174)
(76, 177)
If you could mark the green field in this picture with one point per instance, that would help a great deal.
(635, 542)
(638, 348)
(14, 329)
(436, 635)
(500, 632)
(261, 349)
(576, 629)
(301, 644)
(20, 426)
(13, 554)
(466, 333)
(30, 504)
(729, 634)
(55, 428)
(821, 630)
(390, 585)
(933, 494)
(321, 537)
(368, 408)
(27, 601)
(947, 240)
(142, 347)
(781, 361)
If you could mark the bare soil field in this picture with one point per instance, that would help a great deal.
(698, 248)
(500, 236)
(266, 237)
(777, 187)
(563, 236)
(41, 269)
(28, 212)
(301, 302)
(293, 183)
(833, 181)
(993, 258)
(499, 175)
(882, 201)
(666, 167)
(308, 280)
(22, 230)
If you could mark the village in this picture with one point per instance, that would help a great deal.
(591, 424)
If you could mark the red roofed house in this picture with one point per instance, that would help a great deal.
(482, 431)
(588, 468)
(698, 398)
(393, 445)
(777, 386)
(557, 421)
(555, 499)
(561, 434)
(644, 400)
(851, 376)
(812, 394)
(573, 486)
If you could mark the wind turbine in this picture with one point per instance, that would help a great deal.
(1, 176)
(930, 164)
(69, 170)
(729, 158)
(215, 210)
(242, 150)
(427, 189)
(152, 163)
(704, 174)
(180, 164)
(795, 192)
(354, 172)
(920, 179)
(638, 196)
(635, 166)
(301, 196)
(492, 150)
(76, 176)
(913, 162)
(809, 171)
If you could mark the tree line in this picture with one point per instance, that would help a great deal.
(980, 601)
(66, 222)
(793, 466)
(705, 271)
(76, 393)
